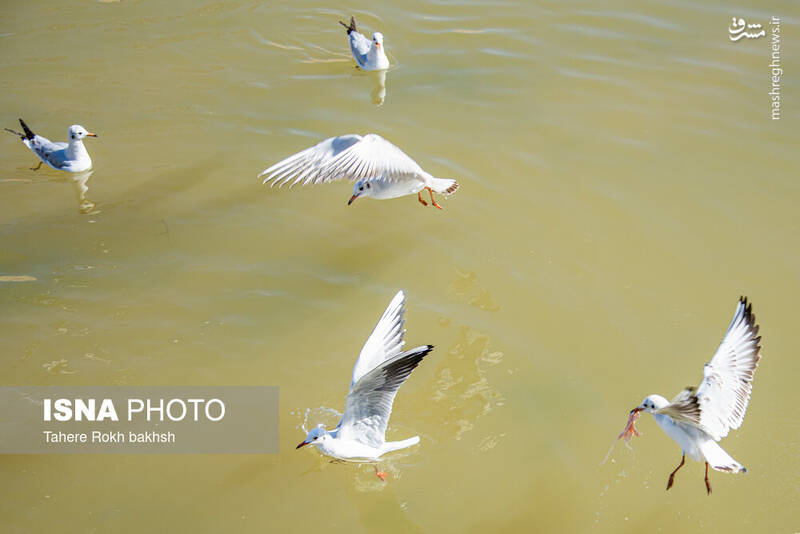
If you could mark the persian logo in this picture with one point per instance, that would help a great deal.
(737, 29)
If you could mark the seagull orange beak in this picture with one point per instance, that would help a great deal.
(90, 134)
(302, 444)
(352, 199)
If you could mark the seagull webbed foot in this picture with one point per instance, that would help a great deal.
(672, 475)
(432, 199)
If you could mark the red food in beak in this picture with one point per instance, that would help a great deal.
(630, 429)
(627, 433)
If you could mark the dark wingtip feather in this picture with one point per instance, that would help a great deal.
(20, 135)
(351, 27)
(750, 321)
(28, 132)
(397, 370)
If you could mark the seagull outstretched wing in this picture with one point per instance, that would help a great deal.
(346, 157)
(385, 341)
(720, 402)
(369, 403)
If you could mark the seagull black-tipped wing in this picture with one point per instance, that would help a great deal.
(28, 132)
(385, 341)
(721, 400)
(350, 27)
(369, 403)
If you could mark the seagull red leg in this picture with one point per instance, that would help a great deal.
(432, 199)
(672, 475)
(708, 484)
(37, 167)
(419, 196)
(381, 475)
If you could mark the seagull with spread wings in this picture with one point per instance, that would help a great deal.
(379, 169)
(377, 375)
(699, 417)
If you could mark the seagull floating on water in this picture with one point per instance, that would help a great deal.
(699, 417)
(380, 169)
(377, 375)
(369, 54)
(70, 156)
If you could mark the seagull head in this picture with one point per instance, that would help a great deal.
(316, 436)
(362, 188)
(651, 403)
(377, 39)
(77, 132)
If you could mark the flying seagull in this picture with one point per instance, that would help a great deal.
(369, 54)
(699, 417)
(377, 375)
(70, 156)
(380, 169)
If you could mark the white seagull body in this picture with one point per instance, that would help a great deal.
(377, 375)
(70, 156)
(379, 169)
(699, 417)
(368, 53)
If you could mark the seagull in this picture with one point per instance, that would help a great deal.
(697, 418)
(369, 54)
(377, 375)
(70, 156)
(380, 169)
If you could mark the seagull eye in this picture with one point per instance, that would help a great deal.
(368, 186)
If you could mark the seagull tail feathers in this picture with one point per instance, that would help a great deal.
(351, 27)
(444, 186)
(719, 459)
(397, 445)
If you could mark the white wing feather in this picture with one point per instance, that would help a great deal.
(369, 403)
(724, 394)
(52, 153)
(385, 341)
(359, 46)
(351, 157)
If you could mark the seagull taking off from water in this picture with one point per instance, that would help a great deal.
(699, 417)
(369, 54)
(380, 169)
(70, 156)
(377, 375)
